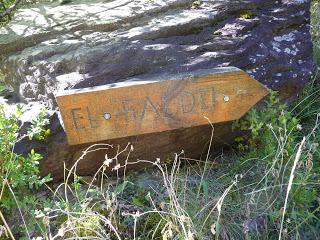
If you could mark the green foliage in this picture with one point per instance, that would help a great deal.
(219, 206)
(19, 174)
(246, 14)
(81, 217)
(151, 226)
(37, 129)
(274, 136)
(2, 88)
(268, 127)
(8, 4)
(224, 204)
(4, 5)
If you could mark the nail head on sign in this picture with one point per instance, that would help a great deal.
(107, 116)
(226, 98)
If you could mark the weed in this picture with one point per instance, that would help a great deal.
(269, 189)
(246, 14)
(19, 175)
(255, 196)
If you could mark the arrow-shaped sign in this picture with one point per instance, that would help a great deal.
(140, 106)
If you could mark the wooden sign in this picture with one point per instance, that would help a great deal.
(140, 106)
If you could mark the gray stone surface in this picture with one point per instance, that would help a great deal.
(51, 47)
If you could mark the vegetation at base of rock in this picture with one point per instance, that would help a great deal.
(19, 175)
(38, 129)
(243, 199)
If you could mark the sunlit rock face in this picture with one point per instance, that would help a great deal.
(51, 47)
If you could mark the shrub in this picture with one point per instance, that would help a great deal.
(19, 175)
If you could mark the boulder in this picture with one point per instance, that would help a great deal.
(49, 47)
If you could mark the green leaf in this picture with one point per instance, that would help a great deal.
(139, 201)
(120, 188)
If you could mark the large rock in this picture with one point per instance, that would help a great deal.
(50, 47)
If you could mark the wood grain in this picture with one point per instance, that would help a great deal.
(141, 106)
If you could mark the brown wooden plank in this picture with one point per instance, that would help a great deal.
(140, 106)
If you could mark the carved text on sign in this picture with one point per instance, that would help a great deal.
(138, 110)
(133, 108)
